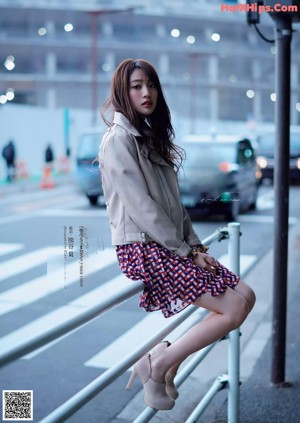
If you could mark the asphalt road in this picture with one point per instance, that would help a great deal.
(44, 236)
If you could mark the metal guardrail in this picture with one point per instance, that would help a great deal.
(232, 232)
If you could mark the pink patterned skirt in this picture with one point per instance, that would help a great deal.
(171, 282)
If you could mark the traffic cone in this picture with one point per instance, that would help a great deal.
(47, 179)
(64, 165)
(21, 170)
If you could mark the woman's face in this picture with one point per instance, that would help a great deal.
(142, 93)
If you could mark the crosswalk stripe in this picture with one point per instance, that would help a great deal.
(246, 261)
(6, 248)
(140, 332)
(15, 218)
(47, 284)
(61, 314)
(259, 218)
(73, 213)
(105, 357)
(27, 261)
(134, 337)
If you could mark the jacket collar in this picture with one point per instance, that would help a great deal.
(120, 119)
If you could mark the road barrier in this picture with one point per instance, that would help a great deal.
(230, 380)
(47, 178)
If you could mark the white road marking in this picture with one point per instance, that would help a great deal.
(27, 261)
(61, 314)
(16, 218)
(246, 261)
(256, 218)
(47, 284)
(73, 213)
(265, 201)
(134, 337)
(6, 248)
(140, 332)
(108, 356)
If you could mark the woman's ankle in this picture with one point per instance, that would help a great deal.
(159, 367)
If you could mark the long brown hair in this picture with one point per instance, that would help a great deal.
(157, 130)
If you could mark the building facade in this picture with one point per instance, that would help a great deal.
(213, 66)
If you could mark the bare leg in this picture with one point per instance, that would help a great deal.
(229, 309)
(247, 293)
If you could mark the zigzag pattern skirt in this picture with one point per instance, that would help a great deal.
(171, 282)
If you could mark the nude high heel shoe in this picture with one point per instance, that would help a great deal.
(154, 392)
(171, 389)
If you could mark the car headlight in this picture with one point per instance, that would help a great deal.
(262, 162)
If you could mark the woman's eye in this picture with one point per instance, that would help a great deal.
(152, 85)
(136, 87)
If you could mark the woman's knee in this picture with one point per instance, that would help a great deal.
(238, 312)
(247, 293)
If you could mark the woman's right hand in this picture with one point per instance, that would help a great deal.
(206, 262)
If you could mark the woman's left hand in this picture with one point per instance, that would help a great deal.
(206, 262)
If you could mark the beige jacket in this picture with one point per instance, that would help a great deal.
(142, 195)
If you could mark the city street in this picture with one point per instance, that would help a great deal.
(56, 261)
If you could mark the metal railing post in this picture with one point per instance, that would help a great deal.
(234, 336)
(232, 232)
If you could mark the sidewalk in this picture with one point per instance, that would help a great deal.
(32, 184)
(260, 402)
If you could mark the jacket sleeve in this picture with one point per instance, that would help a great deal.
(190, 235)
(121, 165)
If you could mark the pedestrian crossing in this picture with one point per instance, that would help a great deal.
(40, 288)
(9, 248)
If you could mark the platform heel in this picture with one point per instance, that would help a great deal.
(155, 395)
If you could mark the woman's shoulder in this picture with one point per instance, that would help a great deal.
(118, 138)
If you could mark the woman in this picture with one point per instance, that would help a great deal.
(153, 234)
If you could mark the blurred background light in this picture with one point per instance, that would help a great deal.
(215, 37)
(190, 39)
(68, 27)
(106, 67)
(273, 96)
(3, 99)
(175, 33)
(10, 94)
(42, 31)
(298, 107)
(9, 63)
(232, 78)
(250, 93)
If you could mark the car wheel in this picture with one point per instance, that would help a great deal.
(233, 211)
(93, 199)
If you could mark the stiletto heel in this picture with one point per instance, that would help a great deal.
(154, 392)
(171, 389)
(131, 379)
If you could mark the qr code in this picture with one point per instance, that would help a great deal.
(17, 405)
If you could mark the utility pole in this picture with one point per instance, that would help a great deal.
(283, 15)
(283, 36)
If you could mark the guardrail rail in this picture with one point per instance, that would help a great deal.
(230, 380)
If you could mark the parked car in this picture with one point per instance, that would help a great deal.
(266, 153)
(220, 176)
(87, 172)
